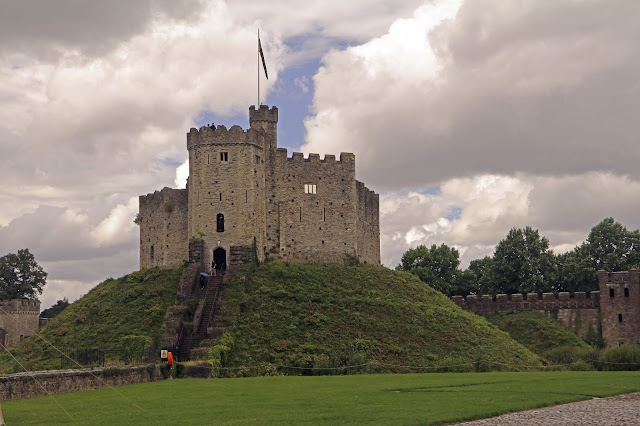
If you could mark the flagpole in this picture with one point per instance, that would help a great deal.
(258, 53)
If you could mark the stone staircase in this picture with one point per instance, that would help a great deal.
(195, 343)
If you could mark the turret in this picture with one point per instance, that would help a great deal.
(267, 119)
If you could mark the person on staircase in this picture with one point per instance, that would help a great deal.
(213, 267)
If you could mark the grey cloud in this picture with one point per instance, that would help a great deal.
(537, 87)
(93, 26)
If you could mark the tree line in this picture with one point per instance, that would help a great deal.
(523, 263)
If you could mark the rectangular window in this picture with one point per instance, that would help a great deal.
(224, 156)
(309, 188)
(258, 159)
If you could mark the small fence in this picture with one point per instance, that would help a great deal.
(76, 358)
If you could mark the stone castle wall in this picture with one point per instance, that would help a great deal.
(615, 309)
(163, 229)
(575, 313)
(319, 227)
(368, 225)
(19, 319)
(620, 306)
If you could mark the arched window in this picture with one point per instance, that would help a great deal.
(611, 293)
(220, 222)
(626, 292)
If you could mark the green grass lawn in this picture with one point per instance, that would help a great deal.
(382, 399)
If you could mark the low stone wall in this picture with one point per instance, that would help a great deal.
(575, 312)
(42, 383)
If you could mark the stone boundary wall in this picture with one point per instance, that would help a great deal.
(575, 313)
(43, 383)
(485, 304)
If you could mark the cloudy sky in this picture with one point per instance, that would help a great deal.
(468, 117)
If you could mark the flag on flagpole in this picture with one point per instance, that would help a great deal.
(264, 65)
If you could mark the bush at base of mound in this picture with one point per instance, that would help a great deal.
(118, 316)
(311, 319)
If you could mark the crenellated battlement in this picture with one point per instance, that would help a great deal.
(23, 306)
(298, 157)
(487, 304)
(220, 135)
(264, 113)
(623, 277)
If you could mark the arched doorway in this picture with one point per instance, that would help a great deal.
(220, 258)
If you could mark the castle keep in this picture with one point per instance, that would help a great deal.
(242, 187)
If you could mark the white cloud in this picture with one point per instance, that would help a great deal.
(564, 209)
(118, 226)
(182, 173)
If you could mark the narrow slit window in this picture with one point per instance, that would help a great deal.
(221, 196)
(626, 292)
(324, 214)
(224, 157)
(208, 160)
(152, 252)
(619, 317)
(300, 214)
(310, 188)
(246, 196)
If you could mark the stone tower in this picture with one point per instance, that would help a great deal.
(243, 188)
(620, 306)
(19, 319)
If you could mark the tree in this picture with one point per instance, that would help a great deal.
(436, 266)
(21, 276)
(523, 263)
(54, 310)
(482, 270)
(576, 271)
(612, 247)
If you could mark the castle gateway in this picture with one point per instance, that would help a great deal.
(242, 187)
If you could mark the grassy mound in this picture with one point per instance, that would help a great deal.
(133, 305)
(326, 317)
(537, 332)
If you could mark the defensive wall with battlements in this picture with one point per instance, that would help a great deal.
(614, 309)
(19, 319)
(243, 188)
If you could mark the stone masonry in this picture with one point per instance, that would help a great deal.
(19, 319)
(620, 306)
(242, 187)
(615, 309)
